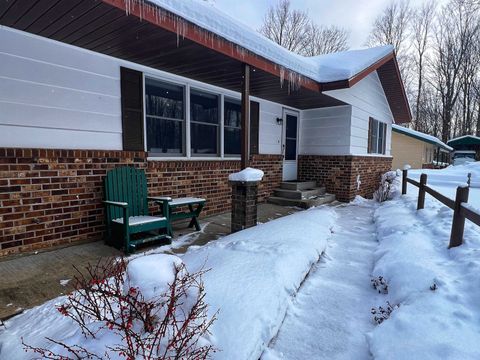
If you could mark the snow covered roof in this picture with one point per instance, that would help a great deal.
(324, 68)
(465, 139)
(421, 136)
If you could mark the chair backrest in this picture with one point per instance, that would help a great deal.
(126, 184)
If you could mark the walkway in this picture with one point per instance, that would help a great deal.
(330, 315)
(31, 279)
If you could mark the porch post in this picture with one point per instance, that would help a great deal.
(245, 148)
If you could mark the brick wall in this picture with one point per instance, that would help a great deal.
(272, 166)
(339, 173)
(53, 197)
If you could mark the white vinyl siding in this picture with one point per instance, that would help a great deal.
(325, 131)
(56, 96)
(368, 100)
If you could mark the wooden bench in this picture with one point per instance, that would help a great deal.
(195, 206)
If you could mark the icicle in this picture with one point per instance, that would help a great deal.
(282, 76)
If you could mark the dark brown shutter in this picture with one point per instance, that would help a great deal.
(131, 84)
(370, 128)
(384, 150)
(254, 126)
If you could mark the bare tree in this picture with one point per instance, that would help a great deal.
(421, 26)
(295, 31)
(285, 26)
(325, 40)
(391, 27)
(456, 33)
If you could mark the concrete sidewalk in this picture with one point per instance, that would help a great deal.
(31, 279)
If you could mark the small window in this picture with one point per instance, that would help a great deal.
(232, 126)
(204, 123)
(165, 118)
(377, 134)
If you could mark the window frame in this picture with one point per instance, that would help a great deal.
(231, 99)
(183, 153)
(381, 137)
(187, 85)
(218, 125)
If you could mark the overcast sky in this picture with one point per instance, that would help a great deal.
(355, 15)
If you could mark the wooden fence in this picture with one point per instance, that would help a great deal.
(461, 210)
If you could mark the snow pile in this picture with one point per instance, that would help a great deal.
(248, 174)
(150, 275)
(428, 138)
(323, 68)
(447, 180)
(437, 290)
(254, 275)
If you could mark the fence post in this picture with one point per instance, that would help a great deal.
(404, 181)
(421, 192)
(458, 223)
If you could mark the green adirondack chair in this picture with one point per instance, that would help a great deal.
(127, 218)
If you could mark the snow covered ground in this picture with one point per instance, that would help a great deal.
(279, 298)
(447, 180)
(330, 315)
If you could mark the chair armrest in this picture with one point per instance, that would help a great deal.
(160, 198)
(116, 203)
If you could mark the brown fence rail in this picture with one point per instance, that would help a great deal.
(460, 208)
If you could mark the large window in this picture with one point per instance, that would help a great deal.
(232, 126)
(204, 123)
(165, 118)
(173, 109)
(377, 137)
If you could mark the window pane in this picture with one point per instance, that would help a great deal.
(164, 136)
(373, 136)
(204, 139)
(203, 107)
(232, 141)
(233, 113)
(291, 130)
(164, 100)
(381, 138)
(291, 149)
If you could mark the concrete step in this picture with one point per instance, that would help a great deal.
(298, 185)
(299, 194)
(303, 203)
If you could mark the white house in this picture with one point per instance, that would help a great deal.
(86, 85)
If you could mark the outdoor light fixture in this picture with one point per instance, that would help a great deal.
(279, 120)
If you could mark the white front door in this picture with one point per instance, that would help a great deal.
(290, 144)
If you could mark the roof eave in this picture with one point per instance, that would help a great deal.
(406, 133)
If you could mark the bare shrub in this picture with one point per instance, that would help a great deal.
(168, 326)
(380, 284)
(386, 188)
(380, 314)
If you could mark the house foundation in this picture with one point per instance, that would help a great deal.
(54, 197)
(344, 176)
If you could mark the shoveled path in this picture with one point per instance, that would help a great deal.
(330, 315)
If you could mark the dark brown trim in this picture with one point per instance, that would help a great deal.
(245, 117)
(254, 127)
(195, 33)
(364, 73)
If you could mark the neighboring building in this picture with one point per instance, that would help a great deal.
(93, 84)
(466, 143)
(417, 149)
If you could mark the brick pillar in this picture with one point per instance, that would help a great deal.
(244, 204)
